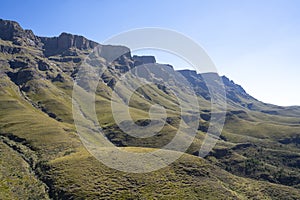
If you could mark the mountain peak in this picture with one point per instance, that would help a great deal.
(8, 29)
(12, 31)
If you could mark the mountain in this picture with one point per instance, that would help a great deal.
(42, 156)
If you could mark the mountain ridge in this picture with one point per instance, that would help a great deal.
(65, 41)
(256, 156)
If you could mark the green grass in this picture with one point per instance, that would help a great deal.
(188, 178)
(59, 159)
(17, 179)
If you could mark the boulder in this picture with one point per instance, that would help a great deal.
(15, 64)
(43, 66)
(59, 78)
(21, 76)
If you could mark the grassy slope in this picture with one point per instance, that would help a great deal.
(263, 155)
(17, 179)
(188, 178)
(60, 160)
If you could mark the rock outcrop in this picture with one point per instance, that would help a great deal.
(112, 53)
(62, 43)
(141, 60)
(67, 50)
(12, 31)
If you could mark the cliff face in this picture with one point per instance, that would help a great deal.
(67, 50)
(53, 58)
(57, 45)
(9, 29)
(12, 31)
(140, 60)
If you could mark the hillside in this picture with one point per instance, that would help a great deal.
(42, 156)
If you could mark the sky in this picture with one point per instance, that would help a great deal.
(255, 43)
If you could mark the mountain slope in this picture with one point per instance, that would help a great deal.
(259, 141)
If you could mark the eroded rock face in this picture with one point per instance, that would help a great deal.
(15, 64)
(9, 49)
(113, 53)
(9, 29)
(197, 81)
(141, 60)
(234, 89)
(43, 66)
(12, 31)
(22, 76)
(68, 50)
(59, 78)
(62, 43)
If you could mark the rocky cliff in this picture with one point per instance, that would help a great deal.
(140, 60)
(65, 41)
(12, 31)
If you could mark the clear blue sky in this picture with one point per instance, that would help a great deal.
(256, 42)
